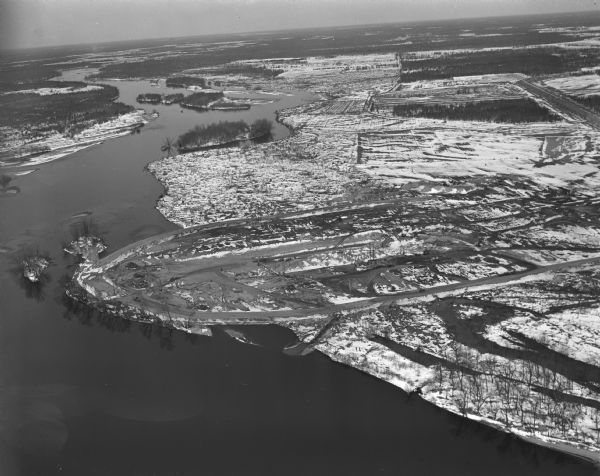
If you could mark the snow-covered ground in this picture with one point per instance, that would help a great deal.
(52, 91)
(488, 199)
(580, 85)
(221, 184)
(482, 386)
(324, 65)
(563, 234)
(56, 145)
(434, 150)
(309, 169)
(572, 332)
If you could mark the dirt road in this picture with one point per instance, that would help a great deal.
(561, 102)
(263, 317)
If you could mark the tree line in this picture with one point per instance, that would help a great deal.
(530, 61)
(65, 113)
(185, 82)
(502, 110)
(201, 99)
(223, 132)
(154, 98)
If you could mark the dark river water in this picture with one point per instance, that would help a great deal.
(86, 395)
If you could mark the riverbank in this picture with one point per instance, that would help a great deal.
(410, 378)
(347, 347)
(20, 153)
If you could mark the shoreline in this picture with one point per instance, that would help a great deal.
(581, 454)
(60, 146)
(562, 448)
(172, 322)
(565, 449)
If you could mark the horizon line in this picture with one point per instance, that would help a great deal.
(253, 32)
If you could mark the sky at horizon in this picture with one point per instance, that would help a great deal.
(35, 23)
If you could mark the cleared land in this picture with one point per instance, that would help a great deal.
(458, 258)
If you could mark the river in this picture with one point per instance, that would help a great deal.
(89, 395)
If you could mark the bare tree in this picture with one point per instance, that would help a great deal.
(168, 146)
(462, 399)
(479, 395)
(440, 374)
(503, 388)
(596, 420)
(535, 403)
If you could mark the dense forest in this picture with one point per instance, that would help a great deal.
(593, 101)
(185, 82)
(151, 98)
(261, 128)
(219, 132)
(224, 105)
(201, 99)
(528, 61)
(26, 76)
(173, 98)
(245, 69)
(223, 132)
(67, 113)
(504, 110)
(154, 98)
(447, 34)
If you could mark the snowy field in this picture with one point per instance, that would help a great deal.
(580, 85)
(433, 150)
(238, 183)
(53, 91)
